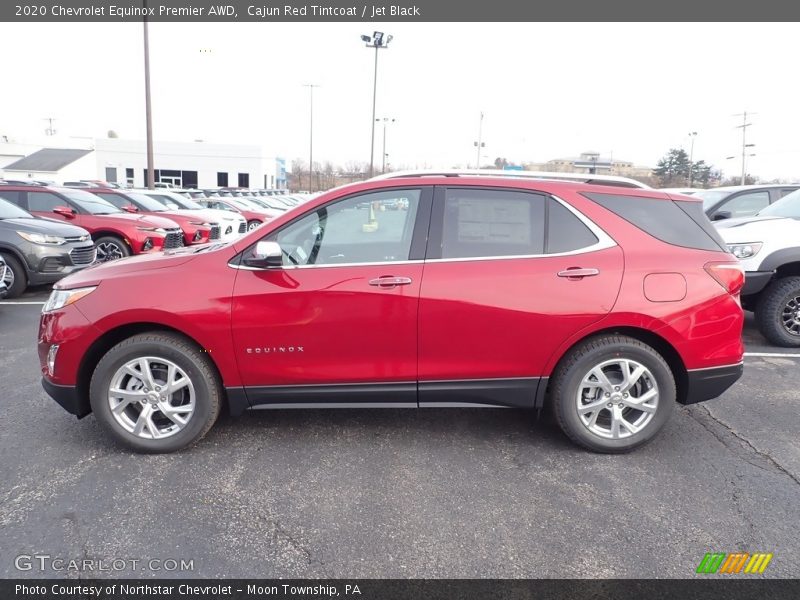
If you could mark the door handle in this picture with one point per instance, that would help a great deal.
(388, 281)
(577, 273)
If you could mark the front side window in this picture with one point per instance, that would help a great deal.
(486, 223)
(788, 206)
(43, 201)
(369, 228)
(745, 205)
(115, 199)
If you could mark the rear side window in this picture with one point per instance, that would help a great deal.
(483, 222)
(565, 231)
(673, 222)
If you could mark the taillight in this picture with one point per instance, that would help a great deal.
(729, 275)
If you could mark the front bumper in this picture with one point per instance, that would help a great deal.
(705, 384)
(755, 281)
(67, 396)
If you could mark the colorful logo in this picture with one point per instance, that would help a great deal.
(735, 562)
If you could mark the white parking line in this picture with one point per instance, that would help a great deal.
(772, 354)
(31, 303)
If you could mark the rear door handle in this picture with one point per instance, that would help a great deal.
(577, 273)
(389, 281)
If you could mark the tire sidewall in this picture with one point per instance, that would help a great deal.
(118, 356)
(567, 405)
(770, 310)
(20, 276)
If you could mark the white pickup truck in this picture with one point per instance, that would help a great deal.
(768, 246)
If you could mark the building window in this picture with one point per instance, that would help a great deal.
(111, 174)
(244, 180)
(222, 179)
(129, 176)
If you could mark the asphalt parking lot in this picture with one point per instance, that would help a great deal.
(388, 493)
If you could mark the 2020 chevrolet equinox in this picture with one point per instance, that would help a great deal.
(607, 302)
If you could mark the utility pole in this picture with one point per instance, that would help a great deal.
(50, 130)
(311, 87)
(379, 41)
(151, 175)
(479, 143)
(692, 135)
(745, 145)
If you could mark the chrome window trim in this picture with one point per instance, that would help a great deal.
(604, 241)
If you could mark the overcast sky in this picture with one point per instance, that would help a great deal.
(546, 90)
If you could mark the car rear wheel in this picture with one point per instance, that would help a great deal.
(612, 394)
(252, 225)
(778, 312)
(111, 248)
(156, 392)
(16, 279)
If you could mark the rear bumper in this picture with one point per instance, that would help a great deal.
(67, 396)
(705, 384)
(755, 281)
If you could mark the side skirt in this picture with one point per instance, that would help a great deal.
(490, 393)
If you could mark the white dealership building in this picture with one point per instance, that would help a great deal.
(183, 164)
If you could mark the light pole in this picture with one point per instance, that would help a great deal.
(310, 87)
(377, 40)
(692, 135)
(479, 144)
(148, 110)
(385, 120)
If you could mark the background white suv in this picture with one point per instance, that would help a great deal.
(768, 246)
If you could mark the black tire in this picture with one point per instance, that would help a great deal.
(251, 225)
(173, 347)
(769, 311)
(18, 275)
(111, 241)
(580, 361)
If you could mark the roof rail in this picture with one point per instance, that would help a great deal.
(611, 180)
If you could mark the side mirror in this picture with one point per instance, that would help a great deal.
(722, 214)
(130, 208)
(265, 256)
(64, 211)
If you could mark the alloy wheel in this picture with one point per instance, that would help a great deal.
(8, 278)
(109, 251)
(151, 397)
(790, 316)
(253, 225)
(617, 398)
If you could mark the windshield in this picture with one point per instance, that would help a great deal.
(177, 201)
(12, 211)
(146, 202)
(788, 206)
(90, 203)
(711, 197)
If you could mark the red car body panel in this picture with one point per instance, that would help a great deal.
(465, 319)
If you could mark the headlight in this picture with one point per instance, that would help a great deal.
(61, 298)
(160, 230)
(42, 238)
(745, 250)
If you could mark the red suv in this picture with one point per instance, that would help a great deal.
(116, 234)
(195, 229)
(608, 303)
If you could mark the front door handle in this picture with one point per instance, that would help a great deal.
(389, 282)
(577, 273)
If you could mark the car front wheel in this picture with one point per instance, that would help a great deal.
(111, 248)
(613, 393)
(156, 392)
(16, 279)
(778, 312)
(252, 225)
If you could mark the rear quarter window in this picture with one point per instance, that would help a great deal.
(677, 222)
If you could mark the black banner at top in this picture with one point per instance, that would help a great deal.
(399, 10)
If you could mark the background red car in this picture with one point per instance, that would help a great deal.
(195, 230)
(116, 233)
